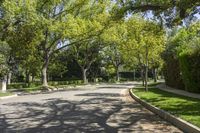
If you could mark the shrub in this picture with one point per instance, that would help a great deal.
(55, 83)
(172, 73)
(182, 59)
(171, 67)
(190, 68)
(17, 86)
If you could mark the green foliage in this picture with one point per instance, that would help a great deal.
(5, 94)
(58, 65)
(4, 53)
(190, 65)
(70, 82)
(17, 86)
(189, 53)
(184, 51)
(37, 29)
(173, 10)
(171, 68)
(172, 72)
(144, 41)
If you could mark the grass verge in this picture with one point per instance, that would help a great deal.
(181, 106)
(5, 94)
(41, 88)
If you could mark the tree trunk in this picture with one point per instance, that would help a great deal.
(146, 70)
(146, 78)
(155, 74)
(44, 76)
(142, 76)
(44, 71)
(117, 74)
(3, 84)
(33, 77)
(162, 75)
(9, 78)
(27, 77)
(134, 74)
(84, 74)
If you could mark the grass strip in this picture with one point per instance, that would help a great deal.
(183, 107)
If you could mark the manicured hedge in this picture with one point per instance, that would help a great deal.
(182, 59)
(171, 67)
(190, 68)
(172, 73)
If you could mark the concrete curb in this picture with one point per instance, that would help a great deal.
(70, 88)
(181, 124)
(6, 97)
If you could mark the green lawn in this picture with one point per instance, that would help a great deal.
(181, 106)
(32, 89)
(5, 94)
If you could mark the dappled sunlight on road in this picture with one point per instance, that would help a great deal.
(91, 111)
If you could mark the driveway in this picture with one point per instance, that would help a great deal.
(104, 108)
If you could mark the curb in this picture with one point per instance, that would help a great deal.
(44, 92)
(6, 97)
(70, 88)
(181, 124)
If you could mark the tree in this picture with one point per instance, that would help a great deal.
(145, 39)
(58, 66)
(54, 24)
(85, 54)
(113, 37)
(4, 50)
(182, 51)
(113, 57)
(89, 26)
(173, 11)
(24, 48)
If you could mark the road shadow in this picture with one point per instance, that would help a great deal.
(110, 87)
(100, 94)
(103, 113)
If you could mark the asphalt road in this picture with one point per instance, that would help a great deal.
(97, 108)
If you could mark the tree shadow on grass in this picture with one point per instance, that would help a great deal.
(101, 113)
(180, 106)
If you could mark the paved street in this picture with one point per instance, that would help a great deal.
(96, 108)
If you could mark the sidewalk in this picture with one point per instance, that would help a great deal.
(177, 91)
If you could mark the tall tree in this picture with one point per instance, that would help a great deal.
(113, 37)
(146, 40)
(173, 11)
(4, 50)
(54, 24)
(85, 54)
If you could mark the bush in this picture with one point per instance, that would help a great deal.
(182, 64)
(55, 83)
(190, 68)
(172, 73)
(171, 67)
(17, 86)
